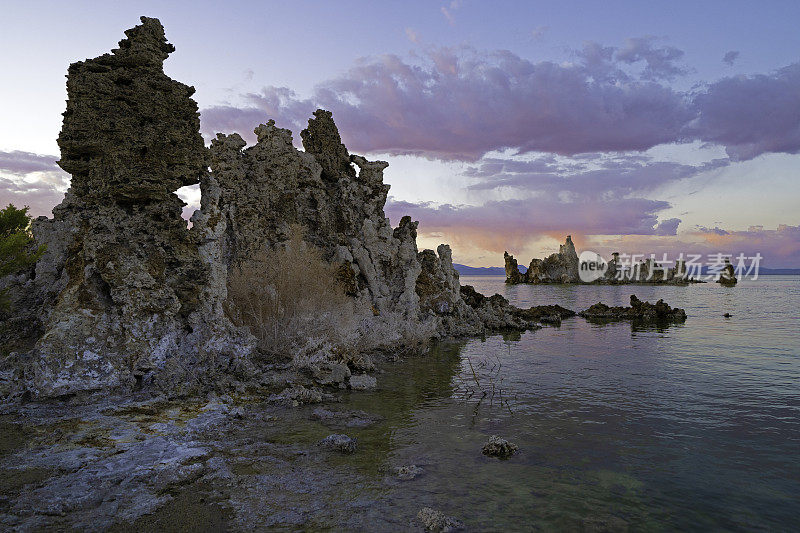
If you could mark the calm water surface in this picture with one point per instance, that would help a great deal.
(690, 427)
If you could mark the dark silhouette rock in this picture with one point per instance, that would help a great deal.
(639, 311)
(727, 278)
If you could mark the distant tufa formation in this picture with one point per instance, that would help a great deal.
(126, 295)
(563, 267)
(556, 268)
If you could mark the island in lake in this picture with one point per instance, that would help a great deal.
(565, 267)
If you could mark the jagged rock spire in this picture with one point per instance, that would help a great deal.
(130, 132)
(134, 295)
(321, 139)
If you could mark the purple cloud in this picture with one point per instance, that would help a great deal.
(460, 104)
(21, 163)
(667, 227)
(597, 177)
(751, 115)
(31, 179)
(660, 61)
(41, 196)
(730, 57)
(779, 248)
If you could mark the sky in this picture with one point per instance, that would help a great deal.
(633, 126)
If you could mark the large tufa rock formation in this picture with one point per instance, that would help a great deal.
(128, 290)
(127, 295)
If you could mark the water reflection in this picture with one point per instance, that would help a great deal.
(687, 426)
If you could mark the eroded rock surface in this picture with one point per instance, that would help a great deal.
(340, 443)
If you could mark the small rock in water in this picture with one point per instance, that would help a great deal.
(341, 443)
(727, 315)
(363, 382)
(553, 319)
(405, 473)
(349, 419)
(328, 373)
(499, 447)
(298, 395)
(436, 521)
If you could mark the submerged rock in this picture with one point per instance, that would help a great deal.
(328, 373)
(495, 311)
(340, 443)
(299, 395)
(351, 419)
(499, 447)
(363, 382)
(639, 311)
(437, 522)
(409, 472)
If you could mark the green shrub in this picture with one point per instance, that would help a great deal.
(17, 248)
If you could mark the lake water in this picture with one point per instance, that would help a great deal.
(690, 427)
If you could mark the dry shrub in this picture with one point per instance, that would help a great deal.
(290, 298)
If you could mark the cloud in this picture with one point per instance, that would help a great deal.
(21, 163)
(660, 61)
(668, 227)
(448, 11)
(278, 103)
(730, 57)
(31, 179)
(751, 115)
(779, 247)
(412, 35)
(513, 224)
(597, 176)
(459, 104)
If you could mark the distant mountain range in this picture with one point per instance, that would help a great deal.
(465, 270)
